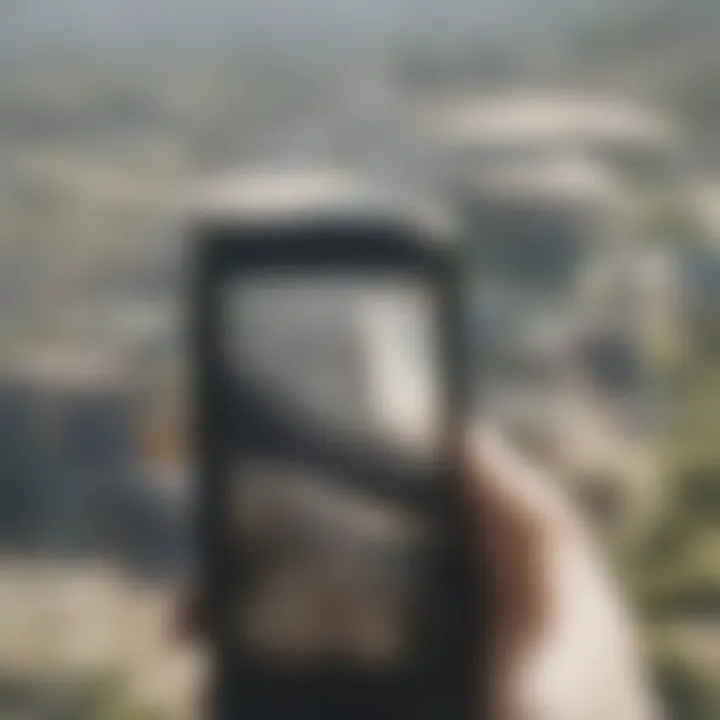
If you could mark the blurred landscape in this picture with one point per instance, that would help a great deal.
(110, 109)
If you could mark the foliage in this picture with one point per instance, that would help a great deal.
(671, 219)
(91, 698)
(675, 572)
(686, 695)
(107, 699)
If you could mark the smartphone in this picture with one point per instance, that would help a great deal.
(329, 395)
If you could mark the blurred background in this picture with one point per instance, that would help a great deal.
(581, 141)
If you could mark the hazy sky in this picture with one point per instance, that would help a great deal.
(279, 25)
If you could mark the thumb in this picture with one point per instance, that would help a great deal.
(510, 535)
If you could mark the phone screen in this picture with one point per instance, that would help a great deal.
(334, 379)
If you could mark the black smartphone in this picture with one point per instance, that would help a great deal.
(329, 394)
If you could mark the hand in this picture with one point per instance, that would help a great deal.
(557, 639)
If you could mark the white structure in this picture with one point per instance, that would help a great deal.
(302, 192)
(488, 135)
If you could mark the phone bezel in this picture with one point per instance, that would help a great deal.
(375, 246)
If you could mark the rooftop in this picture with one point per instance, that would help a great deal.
(271, 194)
(569, 178)
(553, 118)
(68, 367)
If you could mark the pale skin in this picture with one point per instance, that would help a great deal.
(558, 637)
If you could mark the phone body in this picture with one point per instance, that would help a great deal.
(359, 490)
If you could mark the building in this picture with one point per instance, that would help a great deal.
(548, 189)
